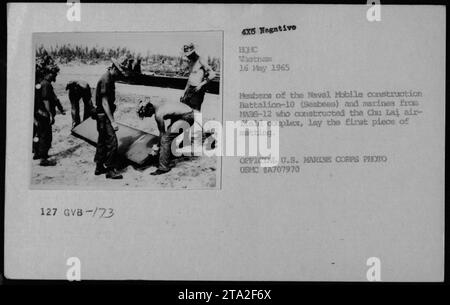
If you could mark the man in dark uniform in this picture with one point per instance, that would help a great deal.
(137, 66)
(79, 90)
(106, 154)
(200, 74)
(181, 118)
(47, 90)
(130, 64)
(45, 106)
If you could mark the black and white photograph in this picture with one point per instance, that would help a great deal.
(108, 106)
(241, 144)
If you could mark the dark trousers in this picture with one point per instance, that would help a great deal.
(44, 133)
(107, 142)
(174, 130)
(194, 99)
(75, 103)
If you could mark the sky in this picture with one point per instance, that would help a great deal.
(167, 43)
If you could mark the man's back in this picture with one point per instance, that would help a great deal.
(105, 88)
(173, 110)
(78, 88)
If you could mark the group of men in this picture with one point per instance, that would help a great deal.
(179, 113)
(45, 104)
(132, 65)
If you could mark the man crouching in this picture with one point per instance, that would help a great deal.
(180, 115)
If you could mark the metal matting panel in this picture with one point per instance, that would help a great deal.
(136, 145)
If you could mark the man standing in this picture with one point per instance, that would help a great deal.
(130, 64)
(200, 74)
(79, 90)
(45, 106)
(181, 118)
(47, 90)
(137, 66)
(105, 156)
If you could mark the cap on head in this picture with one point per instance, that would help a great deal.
(118, 65)
(145, 108)
(188, 49)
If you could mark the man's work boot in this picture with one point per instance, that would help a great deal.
(47, 162)
(100, 170)
(112, 174)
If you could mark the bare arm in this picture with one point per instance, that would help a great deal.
(209, 71)
(56, 101)
(187, 85)
(161, 125)
(47, 107)
(108, 112)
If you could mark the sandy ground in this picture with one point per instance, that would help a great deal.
(75, 165)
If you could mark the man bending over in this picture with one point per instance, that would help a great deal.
(181, 116)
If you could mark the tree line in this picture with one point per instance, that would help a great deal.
(67, 53)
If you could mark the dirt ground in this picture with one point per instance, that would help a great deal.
(75, 165)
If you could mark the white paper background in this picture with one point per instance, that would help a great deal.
(320, 225)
